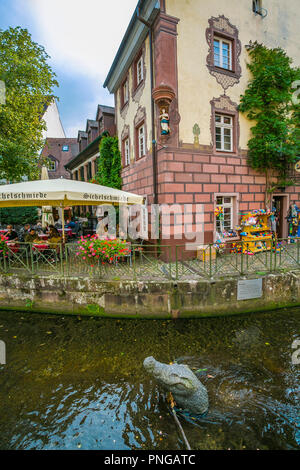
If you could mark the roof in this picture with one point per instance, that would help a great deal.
(82, 134)
(91, 123)
(106, 109)
(134, 36)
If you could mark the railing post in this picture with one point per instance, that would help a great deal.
(176, 261)
(61, 259)
(170, 262)
(271, 256)
(242, 258)
(210, 261)
(31, 257)
(133, 262)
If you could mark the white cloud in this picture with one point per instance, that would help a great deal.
(81, 37)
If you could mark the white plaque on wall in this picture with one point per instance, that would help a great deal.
(249, 289)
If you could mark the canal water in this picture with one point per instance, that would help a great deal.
(78, 383)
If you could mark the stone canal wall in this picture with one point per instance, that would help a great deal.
(85, 296)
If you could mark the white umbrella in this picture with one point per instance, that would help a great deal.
(63, 193)
(47, 213)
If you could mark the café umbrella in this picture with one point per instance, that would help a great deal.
(63, 193)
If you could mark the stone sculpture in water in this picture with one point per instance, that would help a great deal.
(188, 392)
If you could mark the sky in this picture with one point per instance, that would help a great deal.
(82, 38)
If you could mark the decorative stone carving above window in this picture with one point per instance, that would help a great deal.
(221, 30)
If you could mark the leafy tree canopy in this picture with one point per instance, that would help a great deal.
(29, 83)
(18, 215)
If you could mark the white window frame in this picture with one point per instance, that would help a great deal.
(53, 162)
(125, 91)
(141, 141)
(222, 41)
(126, 152)
(225, 205)
(222, 127)
(139, 71)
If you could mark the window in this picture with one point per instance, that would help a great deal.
(141, 141)
(224, 133)
(222, 53)
(96, 166)
(224, 221)
(76, 175)
(257, 6)
(52, 165)
(65, 148)
(89, 170)
(81, 173)
(139, 71)
(125, 92)
(126, 152)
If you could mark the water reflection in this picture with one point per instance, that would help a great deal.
(73, 383)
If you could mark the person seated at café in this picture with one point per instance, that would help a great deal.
(32, 237)
(70, 224)
(39, 226)
(23, 232)
(54, 235)
(57, 222)
(11, 234)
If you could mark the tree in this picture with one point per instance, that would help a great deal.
(274, 145)
(18, 215)
(29, 83)
(109, 167)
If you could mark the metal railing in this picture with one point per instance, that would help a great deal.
(153, 262)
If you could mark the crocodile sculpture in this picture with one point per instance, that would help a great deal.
(188, 392)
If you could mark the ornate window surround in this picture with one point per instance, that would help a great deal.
(226, 107)
(137, 89)
(221, 27)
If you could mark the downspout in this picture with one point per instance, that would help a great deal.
(154, 154)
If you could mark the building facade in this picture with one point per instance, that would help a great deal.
(57, 152)
(177, 80)
(84, 165)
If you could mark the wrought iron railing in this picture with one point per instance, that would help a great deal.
(153, 262)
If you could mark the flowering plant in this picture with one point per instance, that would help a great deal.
(95, 250)
(3, 244)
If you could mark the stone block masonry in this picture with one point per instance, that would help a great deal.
(130, 299)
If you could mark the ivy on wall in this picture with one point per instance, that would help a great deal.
(109, 163)
(275, 143)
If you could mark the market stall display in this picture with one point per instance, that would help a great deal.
(255, 231)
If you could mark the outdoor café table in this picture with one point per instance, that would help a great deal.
(41, 246)
(43, 236)
(14, 247)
